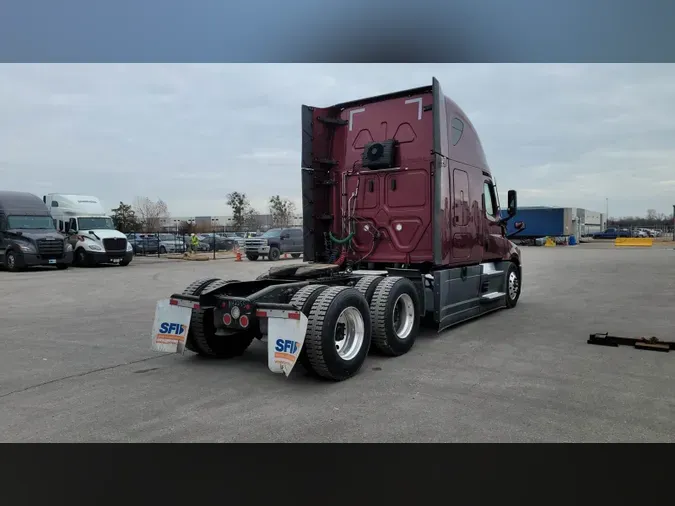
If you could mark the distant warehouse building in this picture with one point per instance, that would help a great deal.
(542, 221)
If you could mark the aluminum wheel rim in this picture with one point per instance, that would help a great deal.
(404, 316)
(349, 333)
(513, 285)
(10, 261)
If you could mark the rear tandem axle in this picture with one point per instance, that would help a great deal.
(337, 320)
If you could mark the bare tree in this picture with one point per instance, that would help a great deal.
(240, 206)
(151, 213)
(653, 218)
(252, 219)
(282, 211)
(185, 227)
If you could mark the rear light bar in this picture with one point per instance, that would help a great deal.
(278, 313)
(184, 303)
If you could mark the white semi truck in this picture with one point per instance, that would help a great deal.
(90, 230)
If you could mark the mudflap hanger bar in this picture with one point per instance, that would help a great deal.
(184, 301)
(641, 343)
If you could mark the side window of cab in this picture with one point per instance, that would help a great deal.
(489, 199)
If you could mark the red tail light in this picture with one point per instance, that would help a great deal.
(243, 321)
(227, 319)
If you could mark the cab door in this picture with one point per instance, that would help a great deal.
(70, 226)
(286, 241)
(297, 235)
(491, 229)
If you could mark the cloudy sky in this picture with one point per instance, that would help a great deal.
(565, 135)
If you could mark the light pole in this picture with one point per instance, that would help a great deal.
(191, 224)
(214, 222)
(175, 237)
(607, 212)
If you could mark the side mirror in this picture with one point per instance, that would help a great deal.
(512, 203)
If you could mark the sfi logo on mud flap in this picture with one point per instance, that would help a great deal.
(171, 329)
(286, 346)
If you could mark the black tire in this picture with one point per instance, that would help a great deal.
(391, 296)
(201, 336)
(512, 296)
(12, 261)
(303, 300)
(367, 285)
(274, 254)
(321, 329)
(195, 288)
(251, 257)
(62, 267)
(81, 258)
(296, 255)
(162, 250)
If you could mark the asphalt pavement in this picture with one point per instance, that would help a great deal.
(76, 364)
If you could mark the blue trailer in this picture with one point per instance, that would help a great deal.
(543, 222)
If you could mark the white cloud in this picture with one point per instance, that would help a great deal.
(560, 134)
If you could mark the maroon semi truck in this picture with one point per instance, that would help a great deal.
(401, 226)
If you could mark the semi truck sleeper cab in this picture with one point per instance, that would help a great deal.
(401, 224)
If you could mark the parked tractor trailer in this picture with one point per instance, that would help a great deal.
(90, 231)
(28, 236)
(401, 225)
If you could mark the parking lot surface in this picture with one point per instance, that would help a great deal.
(75, 364)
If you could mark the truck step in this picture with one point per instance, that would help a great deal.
(489, 297)
(490, 269)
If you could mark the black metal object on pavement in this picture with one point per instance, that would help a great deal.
(641, 343)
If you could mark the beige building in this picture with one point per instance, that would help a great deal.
(219, 222)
